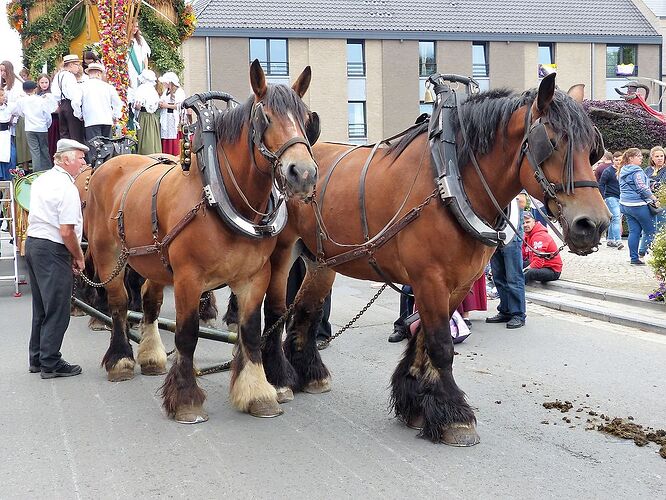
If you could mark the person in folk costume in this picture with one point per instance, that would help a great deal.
(172, 96)
(137, 61)
(147, 118)
(66, 89)
(13, 92)
(7, 149)
(44, 82)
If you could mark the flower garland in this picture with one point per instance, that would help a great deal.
(17, 14)
(113, 16)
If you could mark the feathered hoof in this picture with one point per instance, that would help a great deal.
(75, 312)
(208, 323)
(460, 435)
(264, 408)
(190, 414)
(152, 369)
(415, 422)
(318, 386)
(98, 326)
(232, 327)
(284, 395)
(123, 370)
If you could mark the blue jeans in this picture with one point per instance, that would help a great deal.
(615, 228)
(507, 266)
(659, 221)
(639, 219)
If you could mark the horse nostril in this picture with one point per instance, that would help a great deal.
(292, 172)
(583, 226)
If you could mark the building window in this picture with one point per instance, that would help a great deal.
(355, 58)
(546, 59)
(357, 127)
(621, 61)
(272, 54)
(480, 59)
(427, 64)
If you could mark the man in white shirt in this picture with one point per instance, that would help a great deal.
(53, 251)
(98, 104)
(66, 89)
(37, 112)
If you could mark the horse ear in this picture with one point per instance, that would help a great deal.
(302, 83)
(577, 92)
(257, 79)
(546, 92)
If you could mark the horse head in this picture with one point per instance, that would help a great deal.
(559, 146)
(283, 129)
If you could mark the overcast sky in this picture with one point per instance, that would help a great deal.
(10, 48)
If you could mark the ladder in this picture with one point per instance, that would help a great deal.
(7, 187)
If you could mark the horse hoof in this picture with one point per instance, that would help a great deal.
(415, 422)
(232, 327)
(265, 408)
(75, 312)
(123, 370)
(208, 323)
(460, 435)
(98, 326)
(190, 414)
(152, 369)
(318, 386)
(284, 395)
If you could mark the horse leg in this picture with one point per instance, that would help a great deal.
(182, 398)
(151, 354)
(447, 417)
(405, 383)
(208, 308)
(119, 358)
(133, 282)
(231, 316)
(279, 371)
(250, 391)
(300, 345)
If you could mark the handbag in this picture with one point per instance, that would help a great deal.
(654, 210)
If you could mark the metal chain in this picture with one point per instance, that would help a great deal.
(120, 265)
(355, 318)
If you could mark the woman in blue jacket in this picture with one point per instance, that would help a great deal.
(635, 194)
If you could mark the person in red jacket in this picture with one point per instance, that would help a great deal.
(536, 267)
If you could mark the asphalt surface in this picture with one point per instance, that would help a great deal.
(84, 437)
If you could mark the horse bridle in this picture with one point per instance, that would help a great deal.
(537, 146)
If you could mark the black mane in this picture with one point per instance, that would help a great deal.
(280, 99)
(485, 113)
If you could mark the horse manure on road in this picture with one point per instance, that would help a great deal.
(563, 406)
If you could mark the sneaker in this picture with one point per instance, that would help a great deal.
(35, 369)
(641, 254)
(515, 322)
(398, 335)
(637, 263)
(619, 245)
(498, 318)
(611, 243)
(64, 370)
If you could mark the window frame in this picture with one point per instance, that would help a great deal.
(271, 67)
(351, 125)
(485, 65)
(425, 72)
(621, 59)
(353, 66)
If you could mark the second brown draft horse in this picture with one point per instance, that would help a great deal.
(257, 144)
(433, 253)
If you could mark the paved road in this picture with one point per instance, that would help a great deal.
(87, 438)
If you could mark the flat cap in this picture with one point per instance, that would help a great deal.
(70, 145)
(29, 85)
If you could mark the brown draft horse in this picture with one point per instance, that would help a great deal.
(433, 253)
(207, 252)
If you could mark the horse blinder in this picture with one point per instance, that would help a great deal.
(312, 127)
(539, 143)
(598, 149)
(260, 123)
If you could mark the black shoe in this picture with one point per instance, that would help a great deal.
(637, 263)
(35, 369)
(322, 344)
(498, 318)
(64, 370)
(398, 335)
(619, 245)
(611, 243)
(515, 322)
(641, 254)
(468, 322)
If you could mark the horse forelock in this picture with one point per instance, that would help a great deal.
(279, 100)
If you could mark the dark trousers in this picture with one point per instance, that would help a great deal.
(507, 266)
(406, 308)
(38, 143)
(296, 276)
(50, 271)
(95, 131)
(544, 274)
(70, 126)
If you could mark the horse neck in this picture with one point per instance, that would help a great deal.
(255, 185)
(500, 170)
